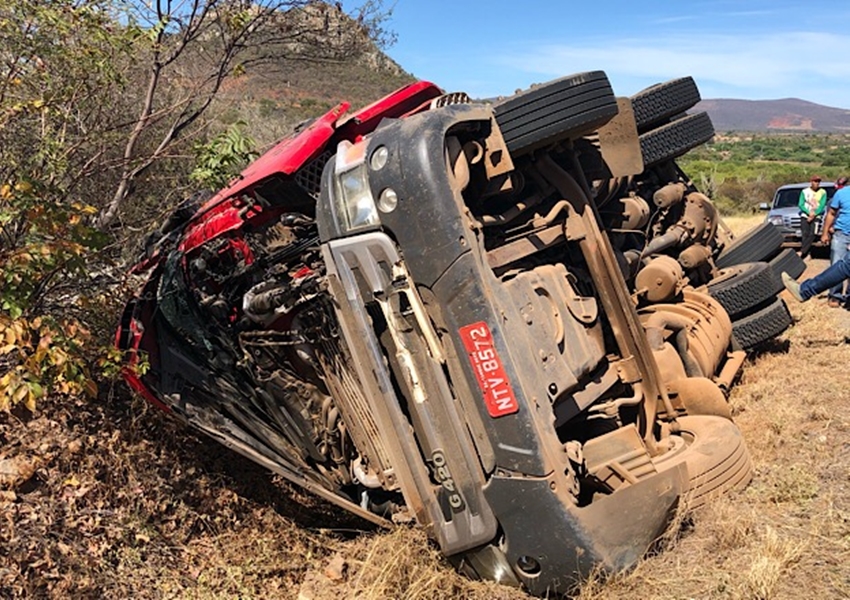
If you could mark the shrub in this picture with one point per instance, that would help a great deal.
(44, 248)
(221, 159)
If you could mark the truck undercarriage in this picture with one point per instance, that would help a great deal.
(515, 323)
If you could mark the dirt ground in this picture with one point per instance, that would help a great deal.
(111, 499)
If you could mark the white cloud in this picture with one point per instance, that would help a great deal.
(676, 19)
(757, 65)
(747, 13)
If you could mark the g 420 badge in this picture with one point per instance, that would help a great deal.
(442, 474)
(498, 395)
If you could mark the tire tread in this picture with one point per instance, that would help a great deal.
(564, 108)
(752, 286)
(762, 325)
(760, 243)
(658, 103)
(787, 261)
(676, 138)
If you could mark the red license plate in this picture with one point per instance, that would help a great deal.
(498, 395)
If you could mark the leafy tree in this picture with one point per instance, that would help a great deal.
(58, 65)
(57, 60)
(43, 249)
(99, 98)
(191, 47)
(222, 158)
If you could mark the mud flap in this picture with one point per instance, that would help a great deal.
(552, 546)
(619, 142)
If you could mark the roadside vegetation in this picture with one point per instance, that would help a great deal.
(111, 114)
(740, 171)
(110, 118)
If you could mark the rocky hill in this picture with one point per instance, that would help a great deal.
(334, 59)
(785, 115)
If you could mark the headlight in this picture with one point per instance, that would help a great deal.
(354, 206)
(776, 220)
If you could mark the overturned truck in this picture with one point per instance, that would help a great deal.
(514, 322)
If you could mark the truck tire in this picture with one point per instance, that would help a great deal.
(716, 456)
(760, 243)
(743, 287)
(789, 262)
(676, 138)
(658, 103)
(762, 325)
(569, 107)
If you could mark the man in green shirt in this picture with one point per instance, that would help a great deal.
(812, 203)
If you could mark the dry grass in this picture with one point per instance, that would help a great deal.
(397, 564)
(124, 503)
(741, 223)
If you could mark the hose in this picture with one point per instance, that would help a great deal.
(655, 326)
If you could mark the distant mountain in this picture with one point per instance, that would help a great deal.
(786, 115)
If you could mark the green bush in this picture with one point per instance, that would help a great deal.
(740, 172)
(223, 157)
(44, 249)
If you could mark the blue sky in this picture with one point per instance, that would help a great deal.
(753, 50)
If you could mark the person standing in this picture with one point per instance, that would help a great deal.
(812, 203)
(836, 225)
